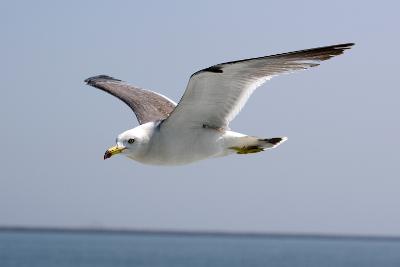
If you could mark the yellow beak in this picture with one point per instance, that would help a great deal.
(113, 151)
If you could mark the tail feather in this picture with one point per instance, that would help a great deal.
(248, 144)
(273, 142)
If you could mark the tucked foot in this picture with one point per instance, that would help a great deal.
(255, 145)
(247, 149)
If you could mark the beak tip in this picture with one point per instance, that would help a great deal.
(113, 151)
(107, 155)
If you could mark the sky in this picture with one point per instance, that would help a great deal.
(338, 173)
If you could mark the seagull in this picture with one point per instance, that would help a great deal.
(197, 128)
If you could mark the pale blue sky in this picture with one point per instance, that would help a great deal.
(339, 172)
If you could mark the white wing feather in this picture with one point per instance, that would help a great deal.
(214, 96)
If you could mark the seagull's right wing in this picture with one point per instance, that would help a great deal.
(147, 105)
(215, 95)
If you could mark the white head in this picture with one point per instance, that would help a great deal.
(131, 142)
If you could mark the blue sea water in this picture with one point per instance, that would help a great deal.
(47, 249)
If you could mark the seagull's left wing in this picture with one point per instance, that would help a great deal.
(214, 96)
(147, 105)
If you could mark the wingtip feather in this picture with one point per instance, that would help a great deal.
(102, 77)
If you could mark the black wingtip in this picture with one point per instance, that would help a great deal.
(339, 48)
(274, 141)
(343, 46)
(98, 78)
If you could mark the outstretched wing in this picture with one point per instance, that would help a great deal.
(147, 105)
(215, 95)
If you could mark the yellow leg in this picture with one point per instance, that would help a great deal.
(247, 149)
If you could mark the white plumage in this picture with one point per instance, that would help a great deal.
(198, 127)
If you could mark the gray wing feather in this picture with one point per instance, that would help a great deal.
(216, 94)
(147, 105)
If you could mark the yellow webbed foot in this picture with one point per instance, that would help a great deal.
(247, 149)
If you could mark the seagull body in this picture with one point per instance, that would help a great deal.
(158, 146)
(197, 127)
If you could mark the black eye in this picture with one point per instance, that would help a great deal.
(130, 141)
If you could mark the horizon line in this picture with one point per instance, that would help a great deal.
(176, 232)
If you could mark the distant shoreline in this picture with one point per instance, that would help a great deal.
(165, 232)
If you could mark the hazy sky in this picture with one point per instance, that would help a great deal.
(339, 172)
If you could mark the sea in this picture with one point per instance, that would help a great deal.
(108, 249)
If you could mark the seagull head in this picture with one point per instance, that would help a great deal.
(130, 142)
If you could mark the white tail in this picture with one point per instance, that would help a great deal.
(250, 144)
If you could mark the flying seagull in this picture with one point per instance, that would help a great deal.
(197, 127)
